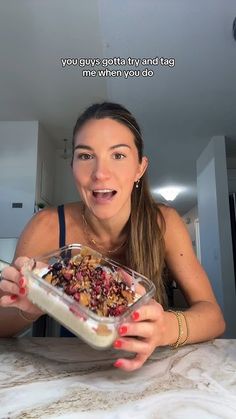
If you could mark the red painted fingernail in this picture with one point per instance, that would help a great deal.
(123, 330)
(21, 282)
(13, 297)
(118, 364)
(117, 344)
(135, 315)
(22, 291)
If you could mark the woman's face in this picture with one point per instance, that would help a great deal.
(105, 166)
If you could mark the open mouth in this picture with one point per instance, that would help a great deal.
(104, 193)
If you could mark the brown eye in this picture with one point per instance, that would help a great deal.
(84, 156)
(118, 156)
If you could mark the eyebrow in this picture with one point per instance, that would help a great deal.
(87, 147)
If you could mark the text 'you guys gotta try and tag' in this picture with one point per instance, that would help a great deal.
(89, 66)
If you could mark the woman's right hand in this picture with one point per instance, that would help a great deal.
(13, 285)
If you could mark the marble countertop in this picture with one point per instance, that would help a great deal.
(65, 378)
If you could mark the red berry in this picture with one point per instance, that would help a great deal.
(77, 296)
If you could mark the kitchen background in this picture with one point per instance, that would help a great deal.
(186, 112)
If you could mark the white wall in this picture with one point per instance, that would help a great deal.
(231, 170)
(46, 168)
(7, 249)
(64, 188)
(215, 230)
(18, 163)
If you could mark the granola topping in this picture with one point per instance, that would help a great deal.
(98, 287)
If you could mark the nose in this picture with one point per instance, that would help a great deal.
(101, 170)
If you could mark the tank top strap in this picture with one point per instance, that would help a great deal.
(62, 231)
(62, 225)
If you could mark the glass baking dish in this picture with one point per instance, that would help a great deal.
(69, 262)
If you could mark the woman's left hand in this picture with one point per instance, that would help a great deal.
(142, 335)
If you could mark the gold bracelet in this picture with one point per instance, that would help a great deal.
(22, 315)
(180, 325)
(187, 330)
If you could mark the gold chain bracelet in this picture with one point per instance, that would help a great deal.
(187, 330)
(23, 316)
(178, 342)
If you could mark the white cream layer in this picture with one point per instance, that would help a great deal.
(55, 307)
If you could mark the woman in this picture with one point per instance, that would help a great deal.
(118, 217)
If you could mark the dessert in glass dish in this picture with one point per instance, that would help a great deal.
(89, 294)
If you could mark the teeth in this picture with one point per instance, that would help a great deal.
(103, 190)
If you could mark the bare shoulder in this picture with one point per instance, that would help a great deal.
(40, 234)
(167, 212)
(166, 215)
(176, 234)
(170, 215)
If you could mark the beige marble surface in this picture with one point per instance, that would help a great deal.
(64, 378)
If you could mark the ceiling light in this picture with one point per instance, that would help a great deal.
(66, 154)
(168, 193)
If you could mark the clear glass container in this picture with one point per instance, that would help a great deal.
(97, 330)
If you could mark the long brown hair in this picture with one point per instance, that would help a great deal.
(145, 247)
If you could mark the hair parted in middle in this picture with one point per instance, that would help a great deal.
(145, 249)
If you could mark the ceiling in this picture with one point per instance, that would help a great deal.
(179, 108)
